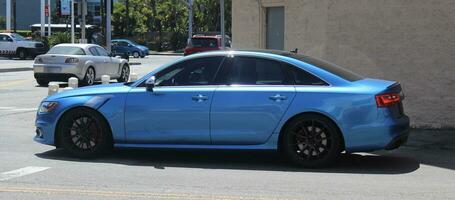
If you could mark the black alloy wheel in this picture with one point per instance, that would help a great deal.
(84, 133)
(312, 141)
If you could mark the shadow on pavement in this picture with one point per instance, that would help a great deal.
(244, 160)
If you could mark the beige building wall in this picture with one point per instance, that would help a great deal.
(411, 41)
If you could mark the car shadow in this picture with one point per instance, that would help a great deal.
(243, 160)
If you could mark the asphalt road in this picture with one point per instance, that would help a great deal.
(423, 169)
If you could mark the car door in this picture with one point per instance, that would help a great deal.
(7, 45)
(110, 68)
(99, 62)
(177, 111)
(253, 95)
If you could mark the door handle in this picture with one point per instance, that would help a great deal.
(200, 98)
(278, 98)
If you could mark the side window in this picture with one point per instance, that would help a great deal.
(123, 44)
(195, 72)
(101, 51)
(4, 38)
(301, 77)
(93, 51)
(255, 71)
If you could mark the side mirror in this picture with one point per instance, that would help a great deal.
(150, 83)
(130, 45)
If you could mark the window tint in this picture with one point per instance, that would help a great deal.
(204, 42)
(4, 38)
(301, 77)
(330, 67)
(255, 71)
(101, 51)
(194, 72)
(93, 51)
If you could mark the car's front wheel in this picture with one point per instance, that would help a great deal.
(84, 133)
(22, 54)
(124, 74)
(311, 140)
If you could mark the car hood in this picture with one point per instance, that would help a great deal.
(142, 47)
(114, 88)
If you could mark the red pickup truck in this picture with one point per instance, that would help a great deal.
(203, 43)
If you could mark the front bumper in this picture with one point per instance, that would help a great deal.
(37, 51)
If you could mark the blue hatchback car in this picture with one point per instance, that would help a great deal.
(308, 109)
(122, 46)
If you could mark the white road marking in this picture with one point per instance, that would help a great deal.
(18, 109)
(21, 172)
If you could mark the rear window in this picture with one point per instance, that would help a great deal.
(204, 42)
(66, 50)
(330, 67)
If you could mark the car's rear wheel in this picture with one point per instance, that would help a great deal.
(311, 140)
(89, 78)
(125, 74)
(84, 133)
(136, 54)
(22, 54)
(42, 82)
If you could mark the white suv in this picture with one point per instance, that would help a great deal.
(14, 45)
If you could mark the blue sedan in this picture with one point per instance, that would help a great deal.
(308, 109)
(122, 46)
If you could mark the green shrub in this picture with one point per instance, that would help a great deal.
(58, 38)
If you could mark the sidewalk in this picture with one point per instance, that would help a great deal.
(432, 139)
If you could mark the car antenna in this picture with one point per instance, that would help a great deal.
(296, 50)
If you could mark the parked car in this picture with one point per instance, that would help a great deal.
(203, 43)
(122, 46)
(14, 45)
(87, 62)
(308, 109)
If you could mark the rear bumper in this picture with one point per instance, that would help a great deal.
(388, 134)
(63, 77)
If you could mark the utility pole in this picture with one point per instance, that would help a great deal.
(189, 3)
(72, 21)
(14, 16)
(190, 20)
(127, 18)
(83, 12)
(43, 30)
(108, 25)
(223, 34)
(8, 15)
(49, 17)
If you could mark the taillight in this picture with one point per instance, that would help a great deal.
(385, 100)
(71, 60)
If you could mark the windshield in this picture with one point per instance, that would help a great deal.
(65, 50)
(17, 37)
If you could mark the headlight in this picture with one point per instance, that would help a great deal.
(38, 60)
(47, 107)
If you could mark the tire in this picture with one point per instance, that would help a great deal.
(89, 78)
(84, 133)
(42, 82)
(22, 54)
(312, 141)
(125, 74)
(136, 54)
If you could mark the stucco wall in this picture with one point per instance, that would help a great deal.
(411, 41)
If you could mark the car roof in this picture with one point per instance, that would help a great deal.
(77, 45)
